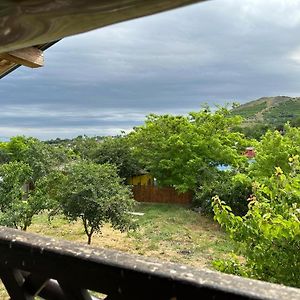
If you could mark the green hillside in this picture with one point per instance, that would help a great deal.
(274, 111)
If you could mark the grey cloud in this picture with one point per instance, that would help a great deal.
(109, 79)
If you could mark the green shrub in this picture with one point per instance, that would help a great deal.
(235, 188)
(231, 265)
(268, 236)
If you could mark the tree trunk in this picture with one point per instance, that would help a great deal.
(89, 239)
(87, 232)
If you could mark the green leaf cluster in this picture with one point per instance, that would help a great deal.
(274, 150)
(92, 193)
(181, 151)
(268, 236)
(235, 188)
(117, 151)
(18, 206)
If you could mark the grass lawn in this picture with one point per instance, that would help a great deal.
(168, 232)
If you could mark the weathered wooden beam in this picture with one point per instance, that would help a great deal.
(5, 65)
(27, 23)
(31, 57)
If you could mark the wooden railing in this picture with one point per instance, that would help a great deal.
(32, 265)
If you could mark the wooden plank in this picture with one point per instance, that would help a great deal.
(149, 193)
(5, 65)
(26, 23)
(31, 57)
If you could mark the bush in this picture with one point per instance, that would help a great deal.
(268, 236)
(227, 186)
(274, 150)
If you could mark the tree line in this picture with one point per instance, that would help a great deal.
(256, 202)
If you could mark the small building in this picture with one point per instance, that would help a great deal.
(142, 179)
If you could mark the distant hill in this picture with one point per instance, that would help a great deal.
(270, 110)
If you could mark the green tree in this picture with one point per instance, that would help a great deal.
(18, 205)
(254, 131)
(268, 236)
(274, 150)
(17, 148)
(85, 147)
(41, 157)
(4, 156)
(182, 151)
(117, 151)
(235, 188)
(94, 193)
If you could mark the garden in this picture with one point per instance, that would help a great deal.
(243, 220)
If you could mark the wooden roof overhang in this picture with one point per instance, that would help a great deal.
(28, 27)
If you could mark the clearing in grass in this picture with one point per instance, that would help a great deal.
(166, 231)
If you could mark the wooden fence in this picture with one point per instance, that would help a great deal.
(149, 193)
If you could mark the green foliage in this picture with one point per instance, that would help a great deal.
(4, 156)
(17, 148)
(235, 188)
(295, 122)
(22, 190)
(232, 265)
(41, 157)
(254, 131)
(117, 151)
(94, 193)
(283, 112)
(18, 206)
(274, 151)
(179, 151)
(249, 111)
(85, 147)
(13, 176)
(271, 111)
(269, 234)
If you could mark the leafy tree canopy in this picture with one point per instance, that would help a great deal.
(117, 151)
(180, 151)
(41, 158)
(95, 194)
(274, 150)
(268, 236)
(85, 147)
(18, 205)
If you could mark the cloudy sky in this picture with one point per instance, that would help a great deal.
(105, 81)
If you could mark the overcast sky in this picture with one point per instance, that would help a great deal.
(105, 81)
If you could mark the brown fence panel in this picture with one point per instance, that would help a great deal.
(143, 193)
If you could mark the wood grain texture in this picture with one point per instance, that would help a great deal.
(154, 194)
(5, 65)
(26, 23)
(31, 57)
